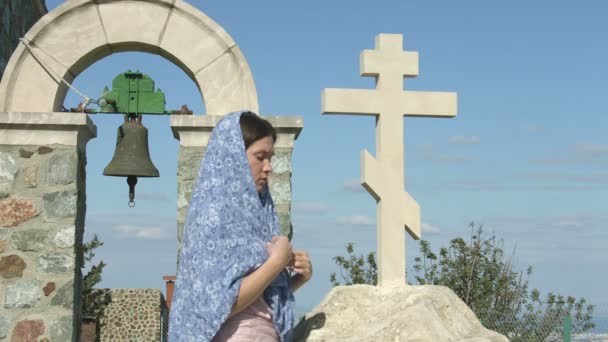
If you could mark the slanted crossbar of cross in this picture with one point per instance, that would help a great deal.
(383, 176)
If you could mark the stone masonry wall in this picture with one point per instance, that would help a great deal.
(41, 192)
(134, 315)
(16, 18)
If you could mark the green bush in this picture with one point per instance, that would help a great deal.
(480, 274)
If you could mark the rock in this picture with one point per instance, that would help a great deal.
(8, 169)
(65, 237)
(412, 313)
(49, 288)
(61, 329)
(22, 294)
(30, 240)
(12, 266)
(2, 245)
(60, 169)
(189, 161)
(280, 189)
(30, 176)
(60, 204)
(5, 323)
(281, 163)
(64, 296)
(28, 331)
(44, 150)
(23, 153)
(55, 263)
(14, 211)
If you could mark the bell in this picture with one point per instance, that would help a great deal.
(131, 158)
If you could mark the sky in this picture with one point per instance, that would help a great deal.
(526, 156)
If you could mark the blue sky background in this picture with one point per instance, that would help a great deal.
(526, 156)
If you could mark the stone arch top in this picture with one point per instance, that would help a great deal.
(80, 32)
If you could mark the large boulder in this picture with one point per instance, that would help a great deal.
(412, 313)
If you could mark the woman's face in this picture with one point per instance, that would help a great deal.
(259, 154)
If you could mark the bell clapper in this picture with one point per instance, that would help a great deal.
(131, 180)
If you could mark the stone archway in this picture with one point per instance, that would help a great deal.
(43, 152)
(80, 32)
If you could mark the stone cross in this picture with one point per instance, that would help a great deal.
(383, 176)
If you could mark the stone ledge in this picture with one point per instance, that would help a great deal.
(195, 130)
(27, 128)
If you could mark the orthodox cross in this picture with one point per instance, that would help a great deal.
(383, 176)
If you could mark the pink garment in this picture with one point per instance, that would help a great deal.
(254, 324)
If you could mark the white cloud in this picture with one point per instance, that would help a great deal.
(311, 207)
(569, 223)
(583, 152)
(591, 179)
(590, 149)
(430, 152)
(145, 233)
(429, 229)
(353, 185)
(355, 220)
(462, 140)
(533, 129)
(152, 196)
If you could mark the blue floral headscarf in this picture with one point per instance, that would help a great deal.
(227, 227)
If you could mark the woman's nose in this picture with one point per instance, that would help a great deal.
(267, 166)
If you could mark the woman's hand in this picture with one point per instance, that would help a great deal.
(279, 251)
(254, 284)
(302, 266)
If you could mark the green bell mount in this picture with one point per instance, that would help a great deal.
(132, 95)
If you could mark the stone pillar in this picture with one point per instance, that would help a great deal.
(42, 211)
(193, 133)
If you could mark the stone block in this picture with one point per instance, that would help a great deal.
(23, 153)
(285, 223)
(28, 331)
(281, 163)
(228, 84)
(48, 288)
(280, 188)
(55, 263)
(60, 204)
(5, 324)
(145, 22)
(65, 237)
(14, 211)
(12, 266)
(189, 162)
(30, 239)
(42, 150)
(35, 128)
(22, 294)
(30, 176)
(29, 91)
(60, 169)
(205, 40)
(60, 33)
(64, 296)
(8, 169)
(61, 329)
(184, 193)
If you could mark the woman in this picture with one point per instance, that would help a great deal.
(232, 282)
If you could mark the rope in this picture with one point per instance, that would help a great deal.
(86, 99)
